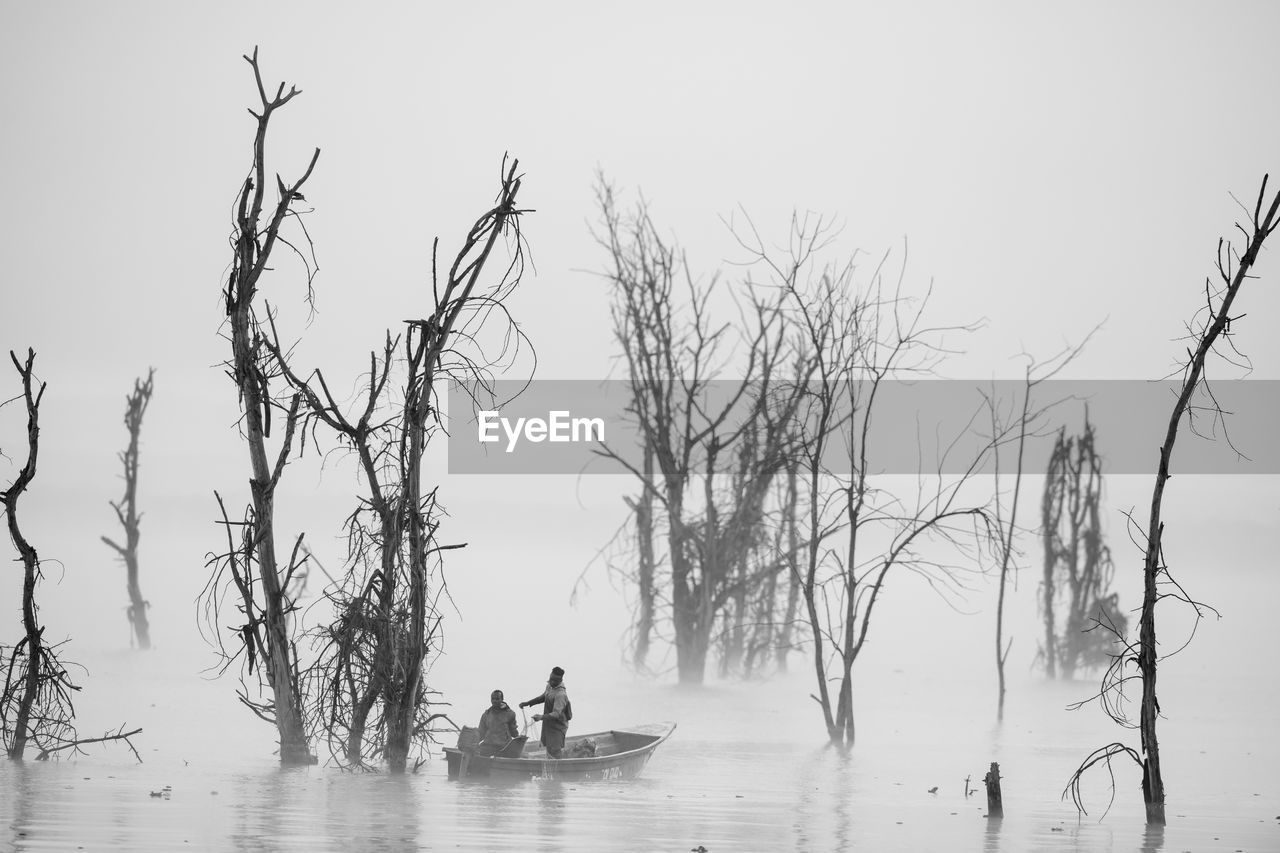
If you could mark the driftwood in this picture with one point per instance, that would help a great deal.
(120, 734)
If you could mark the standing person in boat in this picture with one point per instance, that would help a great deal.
(556, 712)
(497, 726)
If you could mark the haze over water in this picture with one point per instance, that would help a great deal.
(1045, 168)
(746, 769)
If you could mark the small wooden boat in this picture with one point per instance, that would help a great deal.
(616, 754)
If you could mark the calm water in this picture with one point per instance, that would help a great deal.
(744, 771)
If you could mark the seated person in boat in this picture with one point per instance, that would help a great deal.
(497, 726)
(556, 712)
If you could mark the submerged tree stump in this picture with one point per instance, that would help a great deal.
(995, 805)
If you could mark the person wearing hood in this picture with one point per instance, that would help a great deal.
(497, 726)
(556, 712)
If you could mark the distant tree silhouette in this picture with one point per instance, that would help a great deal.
(711, 445)
(35, 704)
(1075, 592)
(127, 510)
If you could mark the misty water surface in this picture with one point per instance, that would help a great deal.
(745, 771)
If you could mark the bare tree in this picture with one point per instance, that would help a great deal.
(1021, 421)
(1006, 526)
(127, 510)
(1078, 569)
(363, 656)
(251, 564)
(371, 698)
(36, 703)
(643, 280)
(1210, 325)
(859, 340)
(717, 443)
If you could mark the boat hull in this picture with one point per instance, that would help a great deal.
(620, 754)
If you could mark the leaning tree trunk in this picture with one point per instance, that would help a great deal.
(1153, 564)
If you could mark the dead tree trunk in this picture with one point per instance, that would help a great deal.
(371, 697)
(1007, 523)
(791, 520)
(251, 367)
(35, 704)
(435, 339)
(647, 564)
(1051, 507)
(995, 799)
(1212, 324)
(1217, 325)
(127, 510)
(1005, 536)
(31, 647)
